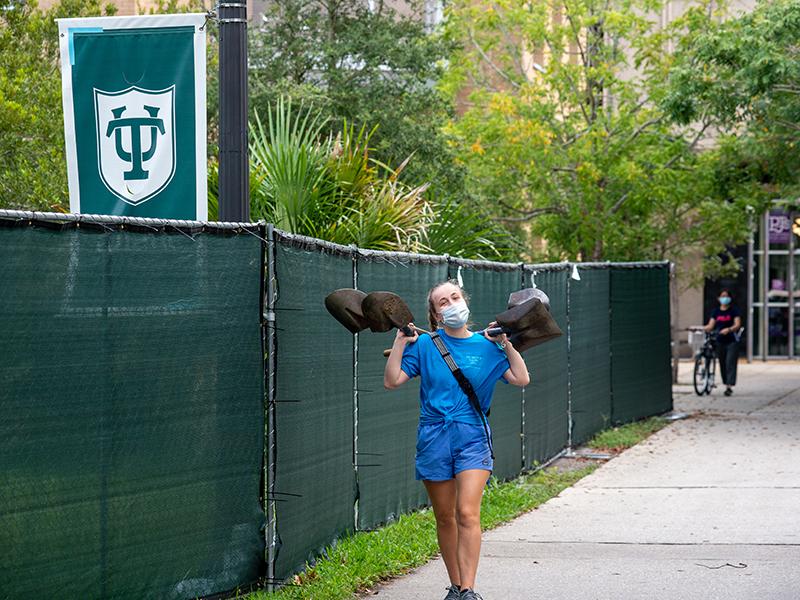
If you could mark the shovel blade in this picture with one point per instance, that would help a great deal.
(522, 296)
(384, 311)
(528, 339)
(530, 321)
(345, 306)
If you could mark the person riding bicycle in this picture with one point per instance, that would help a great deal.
(726, 321)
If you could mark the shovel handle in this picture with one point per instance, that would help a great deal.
(493, 331)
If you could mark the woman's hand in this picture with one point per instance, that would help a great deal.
(404, 339)
(393, 375)
(500, 338)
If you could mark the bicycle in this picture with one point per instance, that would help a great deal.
(705, 365)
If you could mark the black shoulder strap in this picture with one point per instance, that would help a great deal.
(464, 383)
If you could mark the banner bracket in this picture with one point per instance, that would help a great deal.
(211, 15)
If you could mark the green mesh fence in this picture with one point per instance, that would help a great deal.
(132, 401)
(132, 441)
(488, 287)
(640, 342)
(387, 420)
(315, 481)
(546, 399)
(590, 361)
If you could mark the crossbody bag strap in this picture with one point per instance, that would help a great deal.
(464, 384)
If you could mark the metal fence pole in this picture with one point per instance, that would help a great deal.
(355, 400)
(570, 422)
(523, 445)
(270, 434)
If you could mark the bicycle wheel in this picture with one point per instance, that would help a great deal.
(711, 362)
(700, 375)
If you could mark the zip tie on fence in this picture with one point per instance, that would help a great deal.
(575, 274)
(255, 235)
(182, 232)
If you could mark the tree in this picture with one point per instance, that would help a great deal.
(307, 181)
(744, 77)
(365, 63)
(563, 132)
(33, 171)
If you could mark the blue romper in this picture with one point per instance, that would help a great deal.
(450, 437)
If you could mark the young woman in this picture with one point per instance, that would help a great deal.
(726, 321)
(454, 456)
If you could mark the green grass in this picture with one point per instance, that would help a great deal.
(625, 436)
(360, 561)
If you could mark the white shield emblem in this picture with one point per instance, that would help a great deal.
(135, 141)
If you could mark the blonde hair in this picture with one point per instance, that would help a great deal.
(432, 321)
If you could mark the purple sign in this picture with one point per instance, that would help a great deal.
(779, 226)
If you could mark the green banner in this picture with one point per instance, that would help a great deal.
(134, 115)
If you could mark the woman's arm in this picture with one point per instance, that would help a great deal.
(393, 375)
(710, 325)
(737, 325)
(518, 373)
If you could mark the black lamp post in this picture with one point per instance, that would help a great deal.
(234, 179)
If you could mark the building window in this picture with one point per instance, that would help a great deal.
(434, 13)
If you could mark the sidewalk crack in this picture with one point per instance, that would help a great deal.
(771, 402)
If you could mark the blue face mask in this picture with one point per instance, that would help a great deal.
(456, 315)
(724, 300)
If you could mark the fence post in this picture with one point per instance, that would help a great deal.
(570, 422)
(269, 437)
(355, 396)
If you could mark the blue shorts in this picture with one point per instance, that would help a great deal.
(444, 450)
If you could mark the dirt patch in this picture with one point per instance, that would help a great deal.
(567, 464)
(719, 416)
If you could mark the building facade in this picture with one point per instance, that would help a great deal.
(774, 285)
(767, 289)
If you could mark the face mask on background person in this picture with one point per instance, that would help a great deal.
(725, 300)
(456, 315)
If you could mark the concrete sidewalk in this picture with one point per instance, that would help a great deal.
(707, 508)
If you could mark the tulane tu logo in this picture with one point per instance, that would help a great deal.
(136, 156)
(135, 141)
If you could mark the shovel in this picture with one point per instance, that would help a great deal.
(385, 311)
(345, 306)
(520, 318)
(527, 321)
(378, 311)
(529, 324)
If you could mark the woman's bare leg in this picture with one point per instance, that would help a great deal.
(443, 499)
(469, 491)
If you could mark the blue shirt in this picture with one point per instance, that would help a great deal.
(440, 396)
